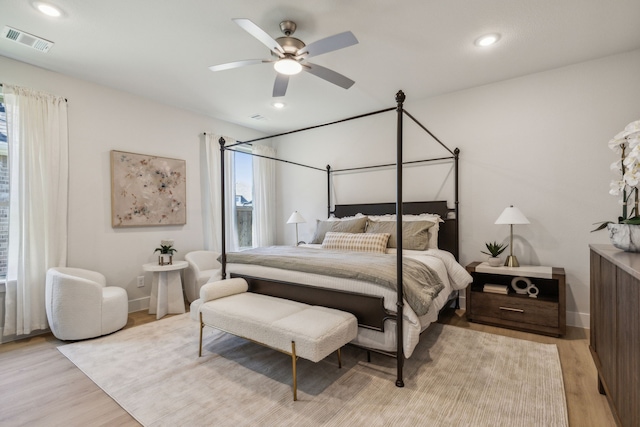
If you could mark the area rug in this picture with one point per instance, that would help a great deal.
(456, 377)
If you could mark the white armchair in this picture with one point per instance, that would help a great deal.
(80, 305)
(202, 265)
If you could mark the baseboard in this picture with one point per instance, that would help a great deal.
(578, 320)
(139, 304)
(10, 338)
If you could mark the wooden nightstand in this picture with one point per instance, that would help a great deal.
(545, 314)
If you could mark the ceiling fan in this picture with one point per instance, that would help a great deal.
(291, 54)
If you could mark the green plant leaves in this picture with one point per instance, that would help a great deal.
(494, 248)
(165, 249)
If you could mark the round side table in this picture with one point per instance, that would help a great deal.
(166, 288)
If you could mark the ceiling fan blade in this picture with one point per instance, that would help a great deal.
(328, 75)
(280, 86)
(329, 44)
(261, 35)
(237, 64)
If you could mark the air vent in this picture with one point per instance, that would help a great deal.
(26, 39)
(258, 117)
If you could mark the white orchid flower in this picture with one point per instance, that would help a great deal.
(616, 166)
(632, 158)
(627, 168)
(634, 140)
(623, 138)
(632, 127)
(616, 144)
(631, 179)
(616, 188)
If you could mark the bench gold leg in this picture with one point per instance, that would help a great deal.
(295, 375)
(339, 359)
(201, 328)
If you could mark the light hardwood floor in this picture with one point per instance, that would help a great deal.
(41, 387)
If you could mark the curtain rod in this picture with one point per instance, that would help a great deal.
(65, 100)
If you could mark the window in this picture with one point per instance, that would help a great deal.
(243, 167)
(4, 192)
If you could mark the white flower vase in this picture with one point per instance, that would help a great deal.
(494, 261)
(625, 236)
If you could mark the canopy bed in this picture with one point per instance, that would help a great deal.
(302, 273)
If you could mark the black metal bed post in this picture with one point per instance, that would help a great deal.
(456, 154)
(223, 254)
(328, 191)
(400, 97)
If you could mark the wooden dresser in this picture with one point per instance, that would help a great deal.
(615, 329)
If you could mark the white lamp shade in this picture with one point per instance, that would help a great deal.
(512, 215)
(295, 218)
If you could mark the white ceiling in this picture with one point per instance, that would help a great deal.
(161, 49)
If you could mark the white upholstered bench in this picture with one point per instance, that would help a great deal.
(293, 328)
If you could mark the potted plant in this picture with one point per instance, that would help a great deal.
(166, 250)
(625, 233)
(495, 249)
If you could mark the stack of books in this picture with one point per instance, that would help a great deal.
(495, 289)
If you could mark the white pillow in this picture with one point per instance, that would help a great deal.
(346, 218)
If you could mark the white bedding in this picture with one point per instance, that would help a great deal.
(452, 274)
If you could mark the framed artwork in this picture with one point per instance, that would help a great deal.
(147, 190)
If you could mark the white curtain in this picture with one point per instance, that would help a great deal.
(38, 166)
(213, 219)
(264, 201)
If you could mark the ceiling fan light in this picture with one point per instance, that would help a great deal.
(287, 66)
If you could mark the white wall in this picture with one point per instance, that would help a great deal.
(103, 119)
(538, 142)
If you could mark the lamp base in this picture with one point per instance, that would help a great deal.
(512, 261)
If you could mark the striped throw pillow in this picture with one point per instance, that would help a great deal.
(356, 242)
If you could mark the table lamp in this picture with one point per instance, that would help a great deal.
(296, 219)
(511, 216)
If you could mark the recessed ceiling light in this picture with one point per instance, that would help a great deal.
(278, 105)
(487, 40)
(48, 9)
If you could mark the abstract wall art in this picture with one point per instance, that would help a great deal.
(147, 190)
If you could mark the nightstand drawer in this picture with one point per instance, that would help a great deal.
(514, 308)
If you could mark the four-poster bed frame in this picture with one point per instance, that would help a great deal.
(368, 309)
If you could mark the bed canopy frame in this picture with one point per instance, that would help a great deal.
(450, 225)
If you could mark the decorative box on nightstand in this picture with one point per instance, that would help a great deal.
(542, 309)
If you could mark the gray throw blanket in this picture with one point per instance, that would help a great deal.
(420, 283)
